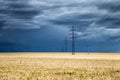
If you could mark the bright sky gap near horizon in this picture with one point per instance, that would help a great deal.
(41, 25)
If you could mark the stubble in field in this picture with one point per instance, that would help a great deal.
(67, 67)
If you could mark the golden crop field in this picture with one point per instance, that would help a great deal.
(59, 66)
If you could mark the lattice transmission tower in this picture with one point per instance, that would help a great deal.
(73, 37)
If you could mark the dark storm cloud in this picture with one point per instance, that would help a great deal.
(110, 22)
(96, 20)
(111, 19)
(113, 6)
(12, 11)
(22, 11)
(65, 13)
(2, 23)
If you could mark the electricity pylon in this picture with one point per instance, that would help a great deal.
(73, 36)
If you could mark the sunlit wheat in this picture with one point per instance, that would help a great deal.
(32, 67)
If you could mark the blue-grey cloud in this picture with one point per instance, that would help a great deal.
(19, 14)
(96, 20)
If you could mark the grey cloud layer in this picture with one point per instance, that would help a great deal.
(92, 16)
(17, 14)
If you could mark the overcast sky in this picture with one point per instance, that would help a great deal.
(41, 25)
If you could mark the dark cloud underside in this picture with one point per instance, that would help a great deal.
(97, 21)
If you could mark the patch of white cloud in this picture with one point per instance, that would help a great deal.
(95, 32)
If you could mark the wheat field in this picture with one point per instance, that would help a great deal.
(59, 66)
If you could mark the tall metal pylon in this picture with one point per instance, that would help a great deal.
(72, 31)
